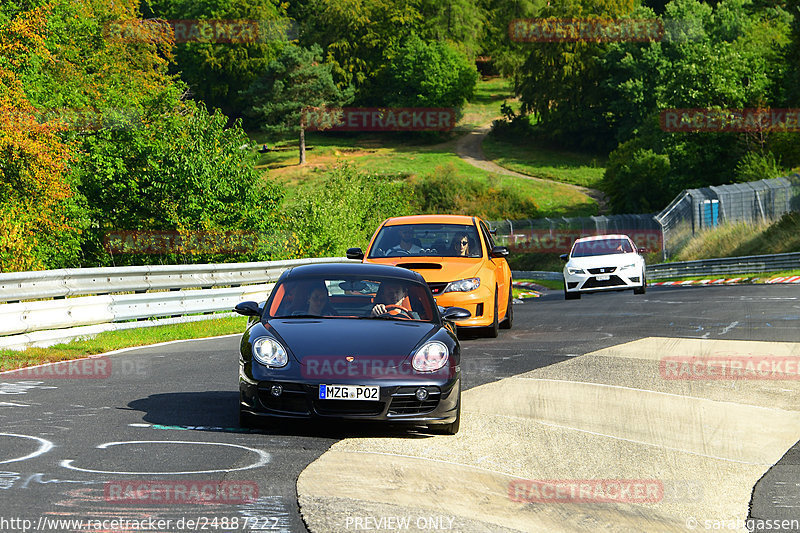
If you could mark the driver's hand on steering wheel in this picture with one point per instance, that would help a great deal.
(378, 310)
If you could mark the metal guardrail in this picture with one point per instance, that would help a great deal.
(703, 267)
(727, 265)
(40, 302)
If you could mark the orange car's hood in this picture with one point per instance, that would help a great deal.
(435, 269)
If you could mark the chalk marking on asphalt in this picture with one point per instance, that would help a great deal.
(264, 458)
(729, 327)
(45, 446)
(683, 396)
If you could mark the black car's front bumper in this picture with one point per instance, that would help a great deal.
(397, 402)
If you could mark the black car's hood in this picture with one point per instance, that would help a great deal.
(388, 340)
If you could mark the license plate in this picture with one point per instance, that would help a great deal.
(349, 392)
(603, 278)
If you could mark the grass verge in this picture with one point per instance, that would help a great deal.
(526, 157)
(114, 340)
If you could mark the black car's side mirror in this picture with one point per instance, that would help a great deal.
(248, 308)
(355, 253)
(455, 313)
(564, 257)
(499, 251)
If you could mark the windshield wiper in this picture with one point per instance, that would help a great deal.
(299, 316)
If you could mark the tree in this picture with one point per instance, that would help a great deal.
(428, 74)
(294, 83)
(218, 71)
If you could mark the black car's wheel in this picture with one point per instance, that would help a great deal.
(643, 288)
(494, 330)
(509, 320)
(571, 295)
(451, 428)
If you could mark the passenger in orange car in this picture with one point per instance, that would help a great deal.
(461, 245)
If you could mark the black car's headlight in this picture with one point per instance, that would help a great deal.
(269, 352)
(463, 285)
(431, 357)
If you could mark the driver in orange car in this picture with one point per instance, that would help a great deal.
(396, 301)
(406, 243)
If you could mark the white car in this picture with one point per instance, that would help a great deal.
(603, 263)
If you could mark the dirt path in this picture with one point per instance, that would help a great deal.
(469, 148)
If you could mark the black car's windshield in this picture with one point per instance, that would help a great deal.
(601, 247)
(352, 297)
(427, 240)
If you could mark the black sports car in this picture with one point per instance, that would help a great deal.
(355, 341)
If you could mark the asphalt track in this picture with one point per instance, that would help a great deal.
(564, 395)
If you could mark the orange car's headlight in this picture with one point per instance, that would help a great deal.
(463, 285)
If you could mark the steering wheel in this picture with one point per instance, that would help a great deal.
(399, 250)
(404, 313)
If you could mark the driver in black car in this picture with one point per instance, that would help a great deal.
(406, 244)
(395, 296)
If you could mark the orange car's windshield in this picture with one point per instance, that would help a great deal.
(427, 240)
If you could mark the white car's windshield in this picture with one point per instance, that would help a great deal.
(601, 247)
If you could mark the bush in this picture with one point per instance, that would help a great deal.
(343, 209)
(181, 172)
(636, 179)
(755, 166)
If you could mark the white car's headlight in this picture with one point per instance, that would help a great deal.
(625, 267)
(432, 356)
(463, 285)
(269, 352)
(572, 271)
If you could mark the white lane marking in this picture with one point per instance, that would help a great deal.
(729, 327)
(264, 458)
(44, 447)
(654, 392)
(139, 425)
(12, 404)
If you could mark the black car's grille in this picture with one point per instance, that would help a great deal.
(348, 407)
(405, 403)
(293, 399)
(437, 287)
(612, 281)
(603, 270)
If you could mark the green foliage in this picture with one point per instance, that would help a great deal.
(218, 72)
(184, 172)
(635, 178)
(755, 166)
(428, 74)
(296, 81)
(344, 209)
(444, 191)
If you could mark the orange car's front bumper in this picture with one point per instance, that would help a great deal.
(471, 301)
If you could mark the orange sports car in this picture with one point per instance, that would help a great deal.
(457, 257)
